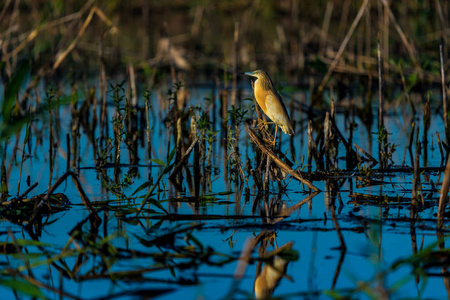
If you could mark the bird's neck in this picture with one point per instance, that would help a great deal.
(264, 83)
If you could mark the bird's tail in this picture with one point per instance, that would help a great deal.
(288, 129)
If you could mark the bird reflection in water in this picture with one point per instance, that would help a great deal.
(274, 269)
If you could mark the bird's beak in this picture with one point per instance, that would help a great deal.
(249, 73)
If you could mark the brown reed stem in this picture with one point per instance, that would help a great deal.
(178, 141)
(235, 64)
(196, 170)
(132, 85)
(68, 150)
(443, 199)
(416, 177)
(380, 87)
(326, 140)
(266, 175)
(326, 25)
(443, 16)
(310, 146)
(50, 141)
(440, 147)
(147, 129)
(102, 91)
(380, 104)
(444, 94)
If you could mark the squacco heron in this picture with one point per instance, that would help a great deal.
(270, 102)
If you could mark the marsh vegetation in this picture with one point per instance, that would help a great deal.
(133, 166)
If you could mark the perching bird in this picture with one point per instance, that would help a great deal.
(270, 102)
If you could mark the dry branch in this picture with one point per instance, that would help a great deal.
(285, 167)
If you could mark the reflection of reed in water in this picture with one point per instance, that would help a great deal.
(271, 274)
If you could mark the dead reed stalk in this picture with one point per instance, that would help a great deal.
(310, 145)
(197, 175)
(443, 199)
(444, 94)
(235, 64)
(147, 129)
(380, 87)
(440, 147)
(416, 177)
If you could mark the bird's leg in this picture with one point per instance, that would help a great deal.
(275, 138)
(262, 124)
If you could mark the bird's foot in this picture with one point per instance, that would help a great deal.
(262, 124)
(270, 142)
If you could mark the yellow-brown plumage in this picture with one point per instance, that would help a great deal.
(270, 101)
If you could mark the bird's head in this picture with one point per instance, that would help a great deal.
(263, 78)
(257, 73)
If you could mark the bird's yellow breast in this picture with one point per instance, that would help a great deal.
(260, 95)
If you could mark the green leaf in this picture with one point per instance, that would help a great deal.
(158, 161)
(289, 254)
(195, 241)
(141, 187)
(172, 154)
(168, 168)
(157, 204)
(12, 89)
(413, 78)
(13, 125)
(226, 193)
(22, 287)
(22, 242)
